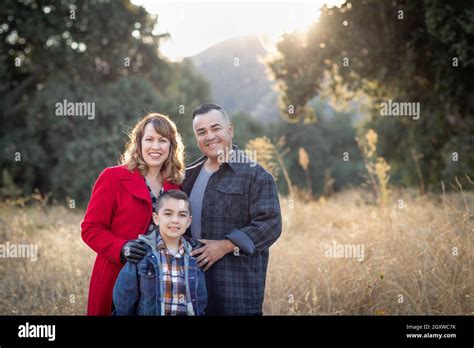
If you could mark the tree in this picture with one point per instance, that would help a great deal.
(103, 54)
(405, 51)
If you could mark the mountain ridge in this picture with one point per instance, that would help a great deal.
(239, 80)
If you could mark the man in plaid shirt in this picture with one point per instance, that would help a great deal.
(236, 215)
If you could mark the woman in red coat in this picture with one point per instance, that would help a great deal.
(121, 204)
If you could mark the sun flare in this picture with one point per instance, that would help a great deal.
(195, 26)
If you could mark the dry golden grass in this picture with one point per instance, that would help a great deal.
(412, 248)
(408, 252)
(58, 282)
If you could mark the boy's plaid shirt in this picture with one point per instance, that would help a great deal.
(172, 270)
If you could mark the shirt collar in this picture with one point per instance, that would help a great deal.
(161, 247)
(232, 164)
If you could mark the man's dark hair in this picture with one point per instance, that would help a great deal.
(205, 108)
(176, 194)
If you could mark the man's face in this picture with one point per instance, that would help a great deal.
(213, 133)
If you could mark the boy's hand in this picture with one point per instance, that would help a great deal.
(212, 251)
(133, 251)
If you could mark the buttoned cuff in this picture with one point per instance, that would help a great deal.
(242, 240)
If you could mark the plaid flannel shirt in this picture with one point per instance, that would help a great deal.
(241, 204)
(174, 295)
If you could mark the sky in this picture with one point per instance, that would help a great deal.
(196, 25)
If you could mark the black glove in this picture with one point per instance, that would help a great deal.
(133, 251)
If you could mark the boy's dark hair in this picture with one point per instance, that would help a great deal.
(205, 108)
(175, 194)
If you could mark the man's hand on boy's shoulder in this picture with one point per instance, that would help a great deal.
(212, 251)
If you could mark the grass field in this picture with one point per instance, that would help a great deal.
(417, 258)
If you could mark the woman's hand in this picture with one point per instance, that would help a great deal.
(133, 251)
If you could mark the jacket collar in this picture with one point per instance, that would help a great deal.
(135, 183)
(153, 238)
(202, 159)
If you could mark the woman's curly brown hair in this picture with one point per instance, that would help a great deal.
(173, 167)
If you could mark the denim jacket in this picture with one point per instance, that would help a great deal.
(138, 288)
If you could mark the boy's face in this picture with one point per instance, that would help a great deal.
(173, 218)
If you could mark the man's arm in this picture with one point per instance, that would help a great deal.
(265, 217)
(262, 231)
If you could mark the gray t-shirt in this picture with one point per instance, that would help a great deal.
(196, 197)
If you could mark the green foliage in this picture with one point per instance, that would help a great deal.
(106, 55)
(245, 129)
(326, 143)
(407, 51)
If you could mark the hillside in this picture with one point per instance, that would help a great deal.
(239, 80)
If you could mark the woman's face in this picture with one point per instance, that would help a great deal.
(155, 147)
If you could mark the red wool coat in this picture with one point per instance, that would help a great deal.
(118, 211)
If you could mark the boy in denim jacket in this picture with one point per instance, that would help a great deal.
(167, 281)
